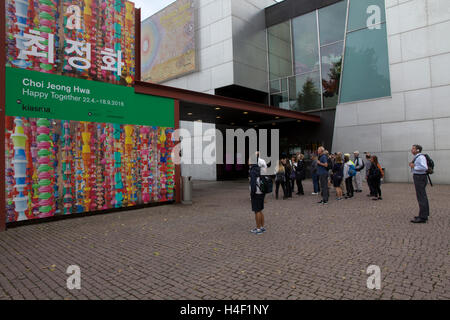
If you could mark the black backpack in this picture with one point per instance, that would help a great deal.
(430, 164)
(358, 163)
(266, 184)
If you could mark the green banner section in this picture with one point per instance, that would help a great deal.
(42, 95)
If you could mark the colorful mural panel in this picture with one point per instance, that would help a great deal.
(59, 167)
(74, 145)
(168, 43)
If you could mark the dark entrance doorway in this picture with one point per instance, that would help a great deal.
(229, 113)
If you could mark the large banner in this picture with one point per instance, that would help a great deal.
(72, 144)
(168, 43)
(37, 94)
(91, 39)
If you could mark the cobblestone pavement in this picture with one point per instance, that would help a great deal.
(205, 251)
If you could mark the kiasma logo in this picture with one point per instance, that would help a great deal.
(33, 108)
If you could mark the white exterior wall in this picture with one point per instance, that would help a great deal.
(419, 110)
(230, 44)
(199, 171)
(213, 32)
(231, 49)
(250, 43)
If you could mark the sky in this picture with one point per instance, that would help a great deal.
(150, 7)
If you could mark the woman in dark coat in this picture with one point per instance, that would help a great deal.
(289, 173)
(300, 173)
(338, 175)
(280, 179)
(374, 178)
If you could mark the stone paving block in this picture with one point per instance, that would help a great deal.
(205, 250)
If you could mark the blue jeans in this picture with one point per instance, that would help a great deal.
(315, 179)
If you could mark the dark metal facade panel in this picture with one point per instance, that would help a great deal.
(289, 9)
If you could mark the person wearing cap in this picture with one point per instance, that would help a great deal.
(359, 166)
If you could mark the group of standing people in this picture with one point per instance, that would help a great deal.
(346, 174)
(289, 172)
(338, 170)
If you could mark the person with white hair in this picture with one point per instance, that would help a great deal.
(348, 163)
(359, 165)
(261, 163)
(348, 180)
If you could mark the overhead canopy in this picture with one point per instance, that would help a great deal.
(195, 106)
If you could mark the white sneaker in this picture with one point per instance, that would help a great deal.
(315, 193)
